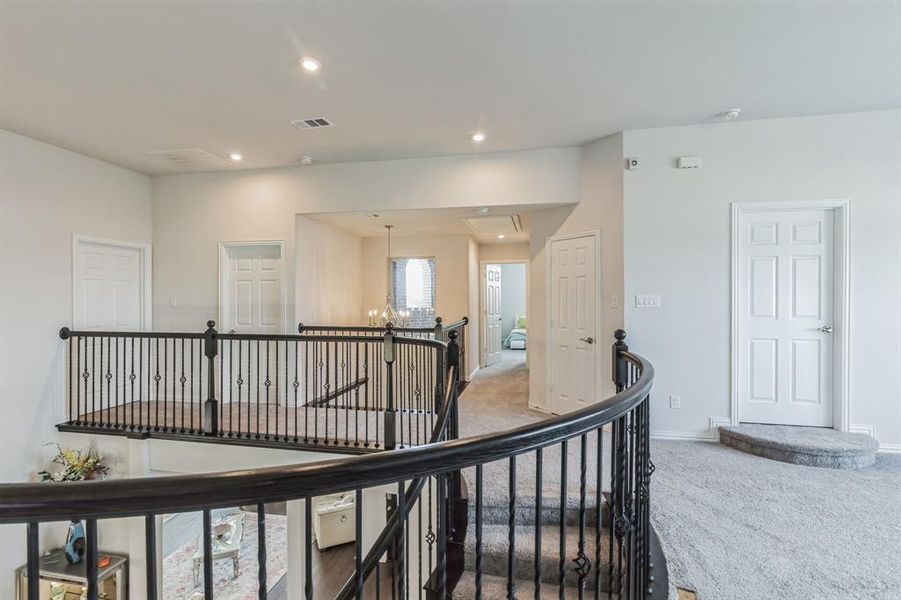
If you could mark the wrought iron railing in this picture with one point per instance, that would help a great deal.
(348, 389)
(594, 501)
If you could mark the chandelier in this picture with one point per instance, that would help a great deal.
(389, 313)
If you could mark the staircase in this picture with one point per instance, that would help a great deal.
(527, 535)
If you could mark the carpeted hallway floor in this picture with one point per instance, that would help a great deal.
(734, 526)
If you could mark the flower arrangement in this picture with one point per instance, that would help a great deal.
(75, 465)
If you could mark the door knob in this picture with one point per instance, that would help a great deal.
(825, 328)
(588, 340)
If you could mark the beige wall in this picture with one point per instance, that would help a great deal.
(329, 284)
(504, 251)
(601, 209)
(193, 213)
(473, 312)
(454, 255)
(47, 195)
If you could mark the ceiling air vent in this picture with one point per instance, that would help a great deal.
(189, 158)
(312, 123)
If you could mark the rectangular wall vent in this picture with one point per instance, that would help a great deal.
(311, 123)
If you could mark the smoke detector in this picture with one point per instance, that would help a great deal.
(731, 114)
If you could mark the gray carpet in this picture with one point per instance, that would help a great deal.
(733, 526)
(811, 446)
(736, 526)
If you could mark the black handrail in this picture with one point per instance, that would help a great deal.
(21, 502)
(631, 542)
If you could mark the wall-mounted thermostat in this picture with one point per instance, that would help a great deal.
(688, 162)
(631, 164)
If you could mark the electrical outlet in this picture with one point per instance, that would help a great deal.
(675, 401)
(614, 300)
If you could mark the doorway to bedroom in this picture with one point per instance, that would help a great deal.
(505, 320)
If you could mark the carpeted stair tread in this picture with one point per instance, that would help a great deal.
(810, 446)
(495, 588)
(495, 548)
(525, 513)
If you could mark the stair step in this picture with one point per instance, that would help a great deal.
(809, 446)
(495, 588)
(495, 549)
(525, 514)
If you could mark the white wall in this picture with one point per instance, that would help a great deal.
(329, 283)
(46, 195)
(677, 231)
(601, 209)
(193, 213)
(513, 295)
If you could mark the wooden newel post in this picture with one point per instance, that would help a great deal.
(619, 370)
(453, 349)
(439, 329)
(211, 406)
(390, 416)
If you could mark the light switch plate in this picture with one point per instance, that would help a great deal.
(675, 401)
(647, 301)
(614, 300)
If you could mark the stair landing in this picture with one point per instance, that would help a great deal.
(809, 446)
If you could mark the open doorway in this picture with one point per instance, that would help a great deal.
(505, 324)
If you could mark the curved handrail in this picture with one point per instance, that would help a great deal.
(22, 502)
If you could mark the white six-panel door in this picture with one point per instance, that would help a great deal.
(254, 294)
(573, 344)
(785, 360)
(493, 320)
(109, 287)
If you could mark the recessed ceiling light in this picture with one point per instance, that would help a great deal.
(479, 137)
(484, 210)
(310, 64)
(731, 114)
(500, 236)
(235, 156)
(306, 160)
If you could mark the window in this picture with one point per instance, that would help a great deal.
(413, 289)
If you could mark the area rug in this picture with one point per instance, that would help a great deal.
(178, 578)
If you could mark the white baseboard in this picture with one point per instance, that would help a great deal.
(869, 430)
(711, 435)
(697, 436)
(473, 374)
(890, 448)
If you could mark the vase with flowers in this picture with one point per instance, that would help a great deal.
(75, 465)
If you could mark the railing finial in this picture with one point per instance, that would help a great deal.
(64, 333)
(300, 327)
(210, 324)
(620, 335)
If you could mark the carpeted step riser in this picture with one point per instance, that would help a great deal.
(495, 544)
(495, 588)
(525, 515)
(808, 446)
(524, 568)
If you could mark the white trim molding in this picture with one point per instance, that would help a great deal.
(711, 435)
(146, 251)
(869, 430)
(223, 270)
(842, 300)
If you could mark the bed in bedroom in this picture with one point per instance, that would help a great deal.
(516, 339)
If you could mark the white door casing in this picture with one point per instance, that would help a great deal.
(573, 323)
(252, 287)
(786, 317)
(493, 317)
(110, 285)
